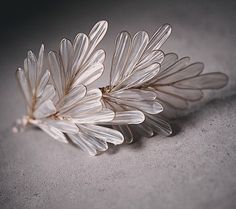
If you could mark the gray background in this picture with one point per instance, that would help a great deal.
(195, 169)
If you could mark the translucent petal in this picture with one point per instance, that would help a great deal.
(92, 73)
(53, 132)
(128, 117)
(204, 81)
(83, 109)
(66, 53)
(172, 100)
(191, 71)
(133, 94)
(97, 57)
(47, 108)
(144, 129)
(176, 67)
(40, 62)
(42, 83)
(103, 116)
(73, 97)
(26, 70)
(56, 72)
(187, 94)
(141, 76)
(153, 57)
(152, 107)
(169, 60)
(81, 44)
(139, 43)
(123, 43)
(96, 35)
(81, 140)
(48, 93)
(125, 131)
(158, 124)
(104, 133)
(32, 68)
(20, 74)
(159, 38)
(92, 95)
(63, 125)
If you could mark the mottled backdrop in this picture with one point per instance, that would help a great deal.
(195, 169)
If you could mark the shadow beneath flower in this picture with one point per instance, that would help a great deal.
(180, 123)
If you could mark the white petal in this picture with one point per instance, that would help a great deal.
(83, 110)
(32, 68)
(187, 94)
(190, 71)
(63, 125)
(141, 76)
(24, 85)
(159, 38)
(96, 35)
(144, 130)
(40, 62)
(103, 116)
(56, 73)
(80, 139)
(169, 60)
(175, 67)
(48, 94)
(153, 57)
(139, 43)
(53, 132)
(81, 44)
(123, 43)
(47, 108)
(43, 82)
(128, 117)
(151, 107)
(92, 95)
(205, 81)
(133, 94)
(66, 52)
(89, 75)
(158, 124)
(126, 132)
(103, 133)
(172, 100)
(97, 57)
(72, 99)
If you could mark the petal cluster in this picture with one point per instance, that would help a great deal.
(144, 82)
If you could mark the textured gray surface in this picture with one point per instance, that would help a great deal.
(195, 169)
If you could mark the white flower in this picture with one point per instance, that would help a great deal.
(135, 62)
(70, 109)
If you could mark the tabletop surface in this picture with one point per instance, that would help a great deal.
(193, 169)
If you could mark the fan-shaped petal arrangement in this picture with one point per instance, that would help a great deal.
(66, 109)
(135, 62)
(177, 84)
